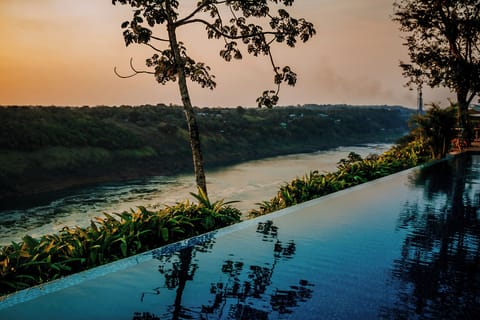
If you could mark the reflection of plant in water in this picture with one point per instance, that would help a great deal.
(433, 183)
(177, 269)
(246, 294)
(440, 263)
(242, 297)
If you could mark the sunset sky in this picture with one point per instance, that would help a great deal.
(63, 52)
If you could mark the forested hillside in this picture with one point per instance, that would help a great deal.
(51, 148)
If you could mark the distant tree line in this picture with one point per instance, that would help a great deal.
(126, 142)
(33, 128)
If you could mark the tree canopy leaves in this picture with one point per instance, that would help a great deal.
(239, 23)
(443, 41)
(251, 22)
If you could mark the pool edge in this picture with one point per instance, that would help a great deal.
(32, 293)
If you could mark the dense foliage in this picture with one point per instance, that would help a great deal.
(443, 42)
(28, 129)
(50, 147)
(253, 25)
(436, 129)
(351, 171)
(35, 261)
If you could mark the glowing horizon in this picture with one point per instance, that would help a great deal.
(62, 52)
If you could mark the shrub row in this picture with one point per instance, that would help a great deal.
(35, 261)
(351, 171)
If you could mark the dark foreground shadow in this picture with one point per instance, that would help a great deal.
(438, 273)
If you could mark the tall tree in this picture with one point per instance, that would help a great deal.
(155, 23)
(443, 43)
(437, 129)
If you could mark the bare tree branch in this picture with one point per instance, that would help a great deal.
(159, 39)
(197, 10)
(135, 71)
(153, 47)
(225, 35)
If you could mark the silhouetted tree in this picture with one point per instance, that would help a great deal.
(230, 20)
(443, 43)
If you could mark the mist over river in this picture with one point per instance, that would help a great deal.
(249, 183)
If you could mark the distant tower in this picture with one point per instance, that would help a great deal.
(419, 101)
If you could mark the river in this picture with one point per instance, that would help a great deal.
(249, 183)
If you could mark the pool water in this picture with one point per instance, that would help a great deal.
(403, 247)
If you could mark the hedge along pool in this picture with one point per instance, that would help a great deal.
(403, 247)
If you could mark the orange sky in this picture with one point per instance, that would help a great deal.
(62, 52)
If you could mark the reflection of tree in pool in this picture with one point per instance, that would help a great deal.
(181, 268)
(244, 297)
(433, 183)
(439, 270)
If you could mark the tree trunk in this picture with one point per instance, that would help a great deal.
(184, 275)
(463, 114)
(188, 109)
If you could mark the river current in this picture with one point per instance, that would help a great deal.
(249, 183)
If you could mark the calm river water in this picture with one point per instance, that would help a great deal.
(250, 183)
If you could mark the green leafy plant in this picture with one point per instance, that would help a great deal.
(351, 171)
(35, 261)
(437, 129)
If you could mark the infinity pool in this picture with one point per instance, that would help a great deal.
(403, 247)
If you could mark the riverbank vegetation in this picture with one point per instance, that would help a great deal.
(430, 138)
(351, 171)
(46, 149)
(35, 261)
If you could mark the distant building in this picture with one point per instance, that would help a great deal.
(474, 114)
(420, 101)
